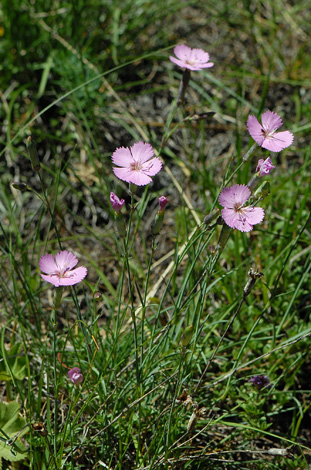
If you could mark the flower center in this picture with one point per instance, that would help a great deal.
(238, 207)
(135, 166)
(61, 272)
(267, 133)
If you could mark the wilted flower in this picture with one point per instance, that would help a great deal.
(264, 167)
(137, 164)
(59, 270)
(192, 59)
(265, 133)
(116, 203)
(234, 213)
(260, 381)
(75, 375)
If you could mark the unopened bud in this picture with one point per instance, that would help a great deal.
(200, 116)
(116, 203)
(264, 167)
(162, 202)
(75, 375)
(253, 276)
(263, 190)
(20, 186)
(211, 216)
(158, 221)
(98, 295)
(223, 237)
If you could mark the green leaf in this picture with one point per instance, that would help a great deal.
(11, 423)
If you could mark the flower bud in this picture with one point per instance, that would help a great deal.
(116, 203)
(20, 186)
(252, 278)
(75, 376)
(158, 221)
(264, 167)
(162, 202)
(260, 381)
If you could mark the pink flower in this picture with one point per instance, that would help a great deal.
(116, 203)
(75, 375)
(136, 163)
(234, 214)
(162, 202)
(58, 271)
(264, 134)
(192, 59)
(264, 167)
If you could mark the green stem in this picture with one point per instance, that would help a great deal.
(132, 307)
(58, 298)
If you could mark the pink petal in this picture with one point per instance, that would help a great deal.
(66, 260)
(243, 225)
(243, 220)
(181, 63)
(255, 129)
(183, 52)
(124, 174)
(152, 167)
(271, 121)
(230, 216)
(52, 279)
(139, 178)
(237, 194)
(205, 66)
(278, 141)
(198, 55)
(73, 277)
(47, 264)
(122, 157)
(253, 215)
(142, 152)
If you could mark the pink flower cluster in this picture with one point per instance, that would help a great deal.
(233, 199)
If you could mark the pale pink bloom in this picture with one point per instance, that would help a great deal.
(265, 133)
(264, 167)
(162, 202)
(116, 203)
(75, 375)
(192, 59)
(137, 164)
(234, 213)
(58, 271)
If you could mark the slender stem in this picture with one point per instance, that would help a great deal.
(132, 307)
(47, 204)
(244, 159)
(176, 103)
(58, 298)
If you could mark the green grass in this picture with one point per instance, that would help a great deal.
(160, 329)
